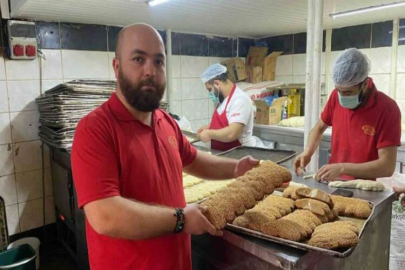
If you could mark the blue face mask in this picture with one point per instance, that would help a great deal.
(351, 102)
(213, 97)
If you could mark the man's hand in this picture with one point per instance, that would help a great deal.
(197, 223)
(399, 190)
(245, 164)
(330, 172)
(201, 129)
(204, 135)
(301, 162)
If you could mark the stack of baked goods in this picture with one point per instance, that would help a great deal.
(244, 193)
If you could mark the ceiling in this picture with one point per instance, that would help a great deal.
(245, 18)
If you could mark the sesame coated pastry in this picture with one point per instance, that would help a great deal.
(289, 192)
(351, 207)
(315, 206)
(283, 228)
(339, 234)
(314, 194)
(234, 199)
(253, 219)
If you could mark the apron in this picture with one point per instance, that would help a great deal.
(220, 121)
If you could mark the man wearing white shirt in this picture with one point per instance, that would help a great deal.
(232, 122)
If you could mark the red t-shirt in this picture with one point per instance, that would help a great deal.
(114, 154)
(358, 134)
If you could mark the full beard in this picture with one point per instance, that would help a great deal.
(142, 100)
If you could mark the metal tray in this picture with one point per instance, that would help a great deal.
(191, 135)
(342, 253)
(275, 155)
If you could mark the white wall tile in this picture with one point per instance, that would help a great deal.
(284, 65)
(49, 210)
(176, 66)
(299, 64)
(48, 182)
(333, 56)
(52, 66)
(299, 79)
(367, 52)
(5, 128)
(195, 109)
(111, 74)
(22, 69)
(27, 156)
(401, 59)
(193, 89)
(196, 124)
(380, 59)
(382, 82)
(284, 79)
(85, 64)
(49, 84)
(29, 186)
(216, 60)
(31, 215)
(3, 97)
(2, 69)
(25, 126)
(193, 66)
(323, 63)
(8, 189)
(401, 85)
(6, 160)
(211, 108)
(176, 89)
(22, 95)
(13, 220)
(176, 108)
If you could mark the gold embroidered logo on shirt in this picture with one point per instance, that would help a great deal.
(173, 142)
(368, 130)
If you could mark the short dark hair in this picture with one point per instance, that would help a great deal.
(221, 77)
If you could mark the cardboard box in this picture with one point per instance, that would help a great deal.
(254, 74)
(236, 69)
(277, 109)
(269, 66)
(262, 112)
(272, 115)
(256, 55)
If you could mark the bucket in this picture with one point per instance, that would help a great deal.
(33, 242)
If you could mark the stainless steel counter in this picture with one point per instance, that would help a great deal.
(238, 251)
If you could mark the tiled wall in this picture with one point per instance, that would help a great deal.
(192, 54)
(72, 51)
(400, 91)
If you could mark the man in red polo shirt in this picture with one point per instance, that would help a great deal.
(127, 160)
(366, 125)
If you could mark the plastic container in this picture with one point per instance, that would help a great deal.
(18, 258)
(33, 242)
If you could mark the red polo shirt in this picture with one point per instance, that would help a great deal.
(114, 154)
(358, 134)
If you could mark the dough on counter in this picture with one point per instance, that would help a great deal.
(368, 185)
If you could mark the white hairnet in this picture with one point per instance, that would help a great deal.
(352, 67)
(213, 71)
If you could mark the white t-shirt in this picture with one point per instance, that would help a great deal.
(240, 110)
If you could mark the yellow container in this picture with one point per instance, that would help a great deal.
(294, 107)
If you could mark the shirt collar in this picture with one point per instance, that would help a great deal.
(122, 113)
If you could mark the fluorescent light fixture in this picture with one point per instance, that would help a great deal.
(153, 3)
(367, 9)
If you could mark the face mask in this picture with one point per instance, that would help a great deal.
(351, 102)
(213, 97)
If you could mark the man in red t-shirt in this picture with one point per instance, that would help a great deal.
(366, 125)
(127, 161)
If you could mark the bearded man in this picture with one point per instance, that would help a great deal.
(127, 159)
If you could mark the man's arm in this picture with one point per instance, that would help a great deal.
(384, 166)
(127, 219)
(228, 134)
(212, 167)
(314, 139)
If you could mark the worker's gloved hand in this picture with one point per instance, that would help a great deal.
(196, 222)
(245, 164)
(330, 172)
(359, 184)
(301, 162)
(204, 135)
(201, 129)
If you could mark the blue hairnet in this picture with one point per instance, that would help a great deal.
(352, 67)
(213, 71)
